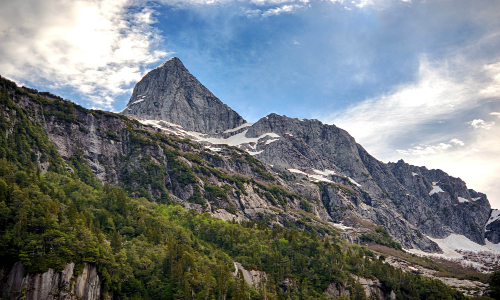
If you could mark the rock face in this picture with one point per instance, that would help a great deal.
(445, 205)
(373, 289)
(170, 93)
(493, 232)
(252, 277)
(52, 285)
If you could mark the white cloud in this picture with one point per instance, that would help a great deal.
(435, 96)
(495, 114)
(282, 9)
(478, 123)
(97, 48)
(457, 142)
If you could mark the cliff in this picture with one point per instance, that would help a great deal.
(51, 285)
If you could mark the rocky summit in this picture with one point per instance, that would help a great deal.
(170, 93)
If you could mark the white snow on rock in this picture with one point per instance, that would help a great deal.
(235, 140)
(325, 172)
(297, 171)
(354, 182)
(271, 141)
(317, 178)
(454, 243)
(239, 127)
(435, 189)
(495, 215)
(314, 177)
(462, 200)
(475, 199)
(414, 174)
(340, 226)
(255, 152)
(141, 100)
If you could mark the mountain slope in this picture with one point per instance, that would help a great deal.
(172, 94)
(63, 238)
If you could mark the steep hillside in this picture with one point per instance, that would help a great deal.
(65, 235)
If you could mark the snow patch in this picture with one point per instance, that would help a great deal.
(454, 242)
(435, 189)
(495, 215)
(271, 141)
(414, 174)
(239, 127)
(314, 177)
(325, 172)
(340, 226)
(462, 200)
(475, 199)
(235, 140)
(255, 152)
(354, 182)
(138, 101)
(298, 171)
(317, 178)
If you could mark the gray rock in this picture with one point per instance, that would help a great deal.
(53, 285)
(172, 94)
(493, 232)
(453, 209)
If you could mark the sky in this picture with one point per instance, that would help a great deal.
(417, 80)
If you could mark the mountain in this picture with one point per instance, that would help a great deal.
(414, 204)
(292, 190)
(172, 94)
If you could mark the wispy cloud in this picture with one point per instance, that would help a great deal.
(434, 96)
(495, 114)
(97, 48)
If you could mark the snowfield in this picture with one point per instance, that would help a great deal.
(459, 248)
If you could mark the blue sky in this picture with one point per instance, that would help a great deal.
(418, 80)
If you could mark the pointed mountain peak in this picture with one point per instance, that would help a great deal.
(170, 93)
(172, 62)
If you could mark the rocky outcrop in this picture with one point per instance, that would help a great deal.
(337, 290)
(52, 285)
(170, 93)
(445, 204)
(252, 277)
(373, 289)
(493, 232)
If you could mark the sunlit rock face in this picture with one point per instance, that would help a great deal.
(170, 93)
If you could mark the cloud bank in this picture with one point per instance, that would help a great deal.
(97, 48)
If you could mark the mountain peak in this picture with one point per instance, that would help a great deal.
(170, 93)
(172, 62)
